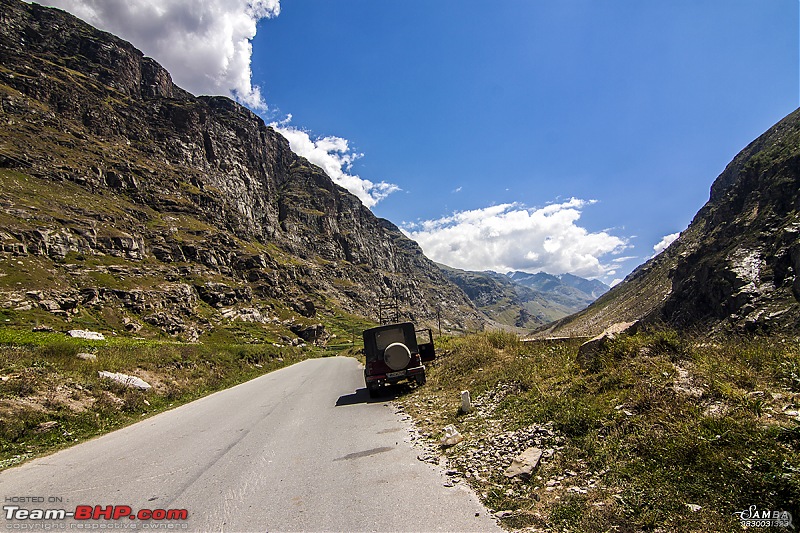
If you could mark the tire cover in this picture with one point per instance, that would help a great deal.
(397, 356)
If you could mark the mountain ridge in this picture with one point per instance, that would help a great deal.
(584, 292)
(736, 268)
(518, 299)
(134, 195)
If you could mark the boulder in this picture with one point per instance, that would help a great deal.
(131, 325)
(312, 333)
(451, 436)
(50, 305)
(524, 464)
(217, 294)
(86, 334)
(46, 426)
(125, 379)
(589, 349)
(305, 308)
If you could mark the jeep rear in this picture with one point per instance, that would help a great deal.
(393, 354)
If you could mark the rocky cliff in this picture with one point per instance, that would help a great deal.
(737, 265)
(128, 201)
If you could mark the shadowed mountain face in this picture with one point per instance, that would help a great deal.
(125, 199)
(736, 267)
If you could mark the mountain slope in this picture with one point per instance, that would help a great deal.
(126, 200)
(737, 265)
(523, 300)
(568, 290)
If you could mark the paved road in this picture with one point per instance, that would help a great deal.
(300, 449)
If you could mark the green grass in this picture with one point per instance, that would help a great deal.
(49, 398)
(725, 444)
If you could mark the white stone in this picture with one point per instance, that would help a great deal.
(451, 436)
(128, 381)
(466, 403)
(86, 334)
(524, 464)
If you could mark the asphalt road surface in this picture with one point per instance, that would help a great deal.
(300, 449)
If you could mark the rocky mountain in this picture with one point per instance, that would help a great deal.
(126, 202)
(524, 300)
(736, 267)
(570, 290)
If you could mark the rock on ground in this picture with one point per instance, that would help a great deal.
(86, 334)
(589, 349)
(128, 381)
(525, 463)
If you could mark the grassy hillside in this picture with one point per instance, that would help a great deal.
(51, 398)
(658, 432)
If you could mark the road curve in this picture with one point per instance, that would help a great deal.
(300, 449)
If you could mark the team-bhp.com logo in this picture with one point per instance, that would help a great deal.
(96, 513)
(753, 517)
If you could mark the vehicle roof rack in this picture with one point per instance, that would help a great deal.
(389, 309)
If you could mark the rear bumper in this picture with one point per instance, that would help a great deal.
(394, 377)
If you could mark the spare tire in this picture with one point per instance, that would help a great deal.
(397, 356)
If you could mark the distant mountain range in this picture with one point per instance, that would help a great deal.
(568, 285)
(524, 300)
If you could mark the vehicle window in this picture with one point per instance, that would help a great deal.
(424, 336)
(388, 336)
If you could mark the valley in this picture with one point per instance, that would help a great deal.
(191, 249)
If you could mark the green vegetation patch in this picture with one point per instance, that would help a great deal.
(661, 432)
(51, 397)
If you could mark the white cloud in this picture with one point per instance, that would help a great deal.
(664, 243)
(511, 237)
(334, 156)
(204, 44)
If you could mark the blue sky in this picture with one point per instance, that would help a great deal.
(561, 135)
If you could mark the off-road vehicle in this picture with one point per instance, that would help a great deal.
(394, 353)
